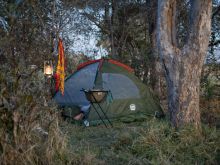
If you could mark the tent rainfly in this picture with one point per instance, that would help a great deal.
(128, 98)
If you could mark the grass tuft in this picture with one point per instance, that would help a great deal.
(150, 142)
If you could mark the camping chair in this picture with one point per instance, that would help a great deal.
(96, 96)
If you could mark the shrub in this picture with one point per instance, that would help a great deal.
(29, 131)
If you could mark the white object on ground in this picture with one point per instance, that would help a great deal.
(86, 123)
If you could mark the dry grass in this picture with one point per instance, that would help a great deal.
(31, 146)
(150, 142)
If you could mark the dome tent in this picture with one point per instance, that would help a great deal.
(129, 96)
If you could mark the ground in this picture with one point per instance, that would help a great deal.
(151, 141)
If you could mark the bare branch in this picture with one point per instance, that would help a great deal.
(217, 10)
(214, 43)
(95, 21)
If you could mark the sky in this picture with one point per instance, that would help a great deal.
(87, 46)
(86, 43)
(217, 54)
(84, 35)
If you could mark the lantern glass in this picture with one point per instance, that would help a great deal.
(48, 68)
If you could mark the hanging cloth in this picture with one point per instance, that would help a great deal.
(60, 72)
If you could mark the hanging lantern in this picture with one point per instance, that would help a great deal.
(48, 68)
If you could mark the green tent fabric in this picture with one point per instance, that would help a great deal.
(128, 100)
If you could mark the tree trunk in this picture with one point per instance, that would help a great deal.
(152, 23)
(113, 52)
(183, 81)
(155, 65)
(183, 66)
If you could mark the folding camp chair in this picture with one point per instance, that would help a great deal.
(96, 96)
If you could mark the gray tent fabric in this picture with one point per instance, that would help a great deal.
(119, 84)
(73, 96)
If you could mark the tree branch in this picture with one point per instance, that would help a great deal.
(94, 20)
(164, 33)
(200, 17)
(217, 10)
(173, 24)
(166, 29)
(214, 43)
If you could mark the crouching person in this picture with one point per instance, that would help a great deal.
(83, 115)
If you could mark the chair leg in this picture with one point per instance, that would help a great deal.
(105, 115)
(99, 115)
(102, 110)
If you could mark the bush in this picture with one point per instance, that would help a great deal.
(29, 131)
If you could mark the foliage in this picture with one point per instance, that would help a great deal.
(210, 85)
(210, 93)
(28, 122)
(29, 130)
